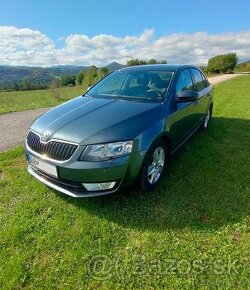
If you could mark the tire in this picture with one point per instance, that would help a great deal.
(154, 166)
(207, 119)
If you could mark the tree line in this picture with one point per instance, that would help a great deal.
(93, 74)
(225, 63)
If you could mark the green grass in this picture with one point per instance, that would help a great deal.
(25, 100)
(192, 233)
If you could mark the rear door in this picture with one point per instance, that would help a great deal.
(185, 117)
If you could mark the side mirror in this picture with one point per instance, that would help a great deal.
(187, 96)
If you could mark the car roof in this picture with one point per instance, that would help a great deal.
(160, 67)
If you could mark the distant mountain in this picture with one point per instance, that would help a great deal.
(244, 62)
(41, 75)
(69, 68)
(114, 66)
(36, 75)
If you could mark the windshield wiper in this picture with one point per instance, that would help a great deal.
(86, 95)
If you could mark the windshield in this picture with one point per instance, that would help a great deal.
(142, 85)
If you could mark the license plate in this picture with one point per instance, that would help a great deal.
(42, 165)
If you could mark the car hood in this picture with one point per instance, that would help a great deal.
(88, 120)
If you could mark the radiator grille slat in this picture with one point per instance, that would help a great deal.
(53, 149)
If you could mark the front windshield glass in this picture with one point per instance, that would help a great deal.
(142, 85)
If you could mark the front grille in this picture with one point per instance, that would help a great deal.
(53, 149)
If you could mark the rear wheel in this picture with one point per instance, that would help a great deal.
(153, 166)
(206, 122)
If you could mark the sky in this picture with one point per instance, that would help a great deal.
(97, 32)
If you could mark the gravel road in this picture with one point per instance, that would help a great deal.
(14, 126)
(218, 79)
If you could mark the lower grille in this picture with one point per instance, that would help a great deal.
(52, 149)
(66, 184)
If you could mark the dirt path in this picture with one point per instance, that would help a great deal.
(14, 126)
(218, 79)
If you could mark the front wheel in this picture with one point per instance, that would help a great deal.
(153, 166)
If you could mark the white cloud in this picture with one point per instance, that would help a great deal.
(30, 47)
(25, 47)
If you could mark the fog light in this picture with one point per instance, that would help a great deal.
(99, 186)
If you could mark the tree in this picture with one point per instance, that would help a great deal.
(80, 78)
(152, 61)
(204, 69)
(222, 63)
(91, 76)
(136, 61)
(25, 85)
(102, 72)
(15, 87)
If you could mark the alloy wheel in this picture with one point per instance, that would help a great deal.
(156, 165)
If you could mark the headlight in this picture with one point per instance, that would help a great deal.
(106, 151)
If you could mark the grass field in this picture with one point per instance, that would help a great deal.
(193, 232)
(25, 100)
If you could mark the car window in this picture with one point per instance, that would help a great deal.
(112, 85)
(205, 81)
(137, 79)
(184, 82)
(144, 85)
(198, 81)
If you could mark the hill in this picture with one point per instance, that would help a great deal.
(243, 66)
(114, 66)
(41, 75)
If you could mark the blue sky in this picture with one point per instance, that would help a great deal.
(70, 31)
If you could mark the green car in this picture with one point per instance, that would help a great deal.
(121, 131)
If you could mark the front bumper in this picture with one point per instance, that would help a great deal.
(66, 187)
(73, 173)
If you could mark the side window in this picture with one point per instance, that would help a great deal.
(205, 81)
(184, 82)
(198, 81)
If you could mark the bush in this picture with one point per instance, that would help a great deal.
(54, 89)
(247, 67)
(68, 80)
(222, 63)
(243, 67)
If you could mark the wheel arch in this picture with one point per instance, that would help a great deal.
(152, 135)
(165, 137)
